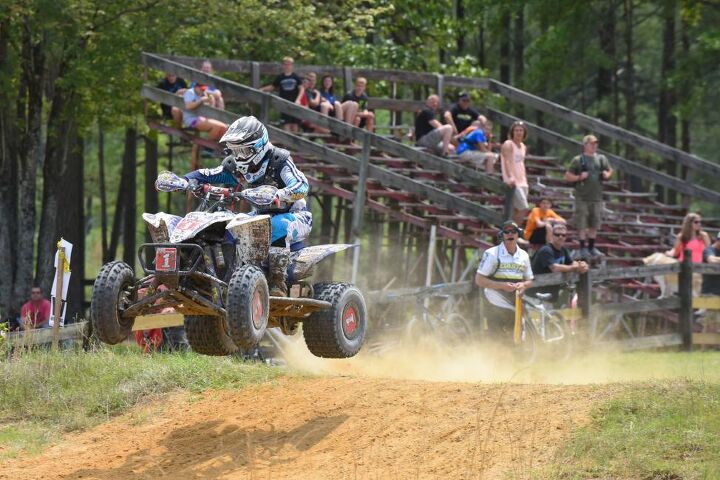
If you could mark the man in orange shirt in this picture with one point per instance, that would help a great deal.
(536, 232)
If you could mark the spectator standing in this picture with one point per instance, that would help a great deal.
(354, 106)
(691, 236)
(512, 153)
(475, 147)
(554, 257)
(588, 171)
(36, 311)
(194, 97)
(173, 84)
(429, 132)
(218, 100)
(289, 87)
(329, 105)
(461, 116)
(504, 271)
(538, 220)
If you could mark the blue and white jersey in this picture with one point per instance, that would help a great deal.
(280, 172)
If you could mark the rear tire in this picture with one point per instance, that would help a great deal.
(248, 306)
(559, 341)
(209, 335)
(108, 295)
(338, 332)
(526, 353)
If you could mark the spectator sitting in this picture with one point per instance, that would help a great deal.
(36, 311)
(553, 258)
(290, 88)
(354, 107)
(513, 153)
(173, 84)
(311, 93)
(692, 237)
(429, 132)
(329, 105)
(218, 100)
(195, 97)
(539, 218)
(461, 116)
(588, 171)
(474, 146)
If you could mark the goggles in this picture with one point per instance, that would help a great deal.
(241, 152)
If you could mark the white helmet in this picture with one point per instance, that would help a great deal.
(246, 140)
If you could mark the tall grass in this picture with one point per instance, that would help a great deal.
(66, 390)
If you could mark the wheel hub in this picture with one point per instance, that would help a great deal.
(349, 321)
(257, 309)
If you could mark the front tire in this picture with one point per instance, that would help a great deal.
(209, 335)
(109, 295)
(248, 306)
(338, 332)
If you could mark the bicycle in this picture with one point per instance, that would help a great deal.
(443, 323)
(541, 327)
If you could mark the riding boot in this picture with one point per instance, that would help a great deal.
(278, 261)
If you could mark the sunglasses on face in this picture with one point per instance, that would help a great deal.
(561, 235)
(510, 232)
(697, 221)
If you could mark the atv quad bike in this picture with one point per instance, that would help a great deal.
(213, 266)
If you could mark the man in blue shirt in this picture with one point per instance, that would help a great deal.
(474, 147)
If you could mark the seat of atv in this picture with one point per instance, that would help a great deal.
(280, 242)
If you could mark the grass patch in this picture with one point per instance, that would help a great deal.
(666, 430)
(43, 394)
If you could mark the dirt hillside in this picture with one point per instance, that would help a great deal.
(327, 428)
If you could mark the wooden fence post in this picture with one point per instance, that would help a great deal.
(347, 79)
(359, 205)
(441, 88)
(265, 108)
(585, 300)
(508, 206)
(685, 292)
(255, 74)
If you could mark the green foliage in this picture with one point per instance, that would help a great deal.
(664, 430)
(66, 391)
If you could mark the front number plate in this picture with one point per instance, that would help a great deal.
(166, 259)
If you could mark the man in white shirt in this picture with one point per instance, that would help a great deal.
(504, 271)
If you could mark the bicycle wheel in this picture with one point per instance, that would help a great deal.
(558, 342)
(455, 329)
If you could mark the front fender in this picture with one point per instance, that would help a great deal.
(252, 237)
(311, 256)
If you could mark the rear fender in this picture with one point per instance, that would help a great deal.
(311, 256)
(161, 225)
(252, 237)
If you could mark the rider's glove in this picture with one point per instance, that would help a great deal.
(194, 185)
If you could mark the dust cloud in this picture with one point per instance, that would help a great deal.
(426, 359)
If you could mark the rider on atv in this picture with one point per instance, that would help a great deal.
(252, 158)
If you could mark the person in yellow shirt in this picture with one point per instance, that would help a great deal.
(540, 216)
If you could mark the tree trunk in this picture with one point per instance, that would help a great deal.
(460, 33)
(8, 187)
(481, 43)
(667, 122)
(519, 53)
(33, 62)
(505, 57)
(71, 222)
(130, 199)
(685, 123)
(103, 195)
(629, 84)
(607, 67)
(152, 202)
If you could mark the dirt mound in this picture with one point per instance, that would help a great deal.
(327, 428)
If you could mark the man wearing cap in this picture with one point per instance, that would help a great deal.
(460, 116)
(587, 172)
(504, 271)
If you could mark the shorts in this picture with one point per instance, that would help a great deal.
(192, 123)
(432, 140)
(520, 201)
(500, 321)
(478, 157)
(588, 214)
(286, 119)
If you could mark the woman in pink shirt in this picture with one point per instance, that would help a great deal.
(692, 237)
(513, 153)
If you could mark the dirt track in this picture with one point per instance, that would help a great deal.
(327, 428)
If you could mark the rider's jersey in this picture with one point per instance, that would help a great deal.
(500, 265)
(281, 172)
